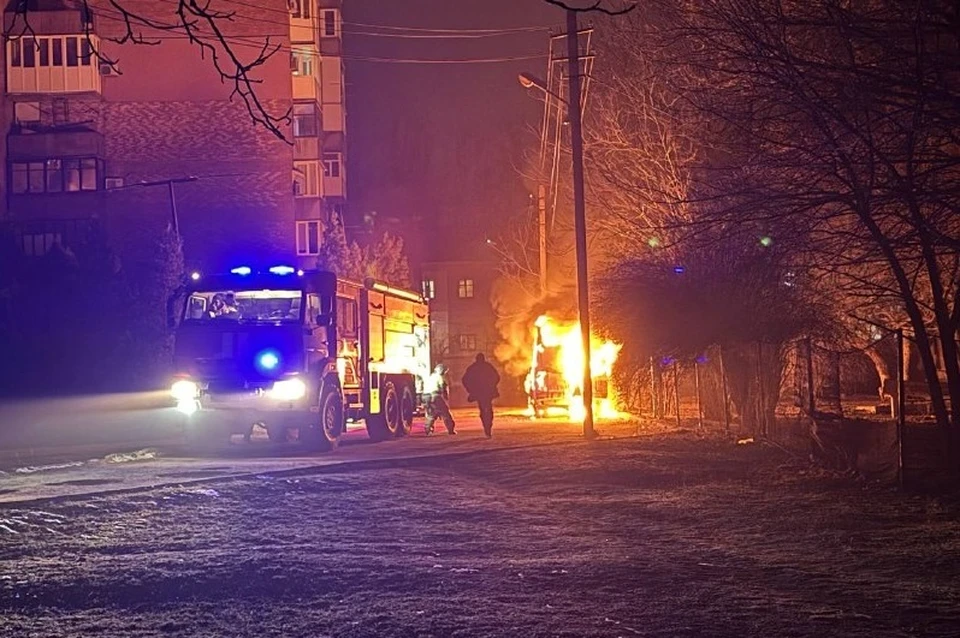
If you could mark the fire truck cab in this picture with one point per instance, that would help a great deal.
(298, 350)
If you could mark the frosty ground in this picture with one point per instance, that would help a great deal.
(664, 534)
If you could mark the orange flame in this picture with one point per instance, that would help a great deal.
(565, 338)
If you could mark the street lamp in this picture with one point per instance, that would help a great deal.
(576, 146)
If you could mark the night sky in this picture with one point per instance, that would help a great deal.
(434, 149)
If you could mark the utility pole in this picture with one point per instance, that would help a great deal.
(174, 215)
(583, 292)
(542, 236)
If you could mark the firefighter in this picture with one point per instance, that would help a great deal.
(481, 380)
(436, 391)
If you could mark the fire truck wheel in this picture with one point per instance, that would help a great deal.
(325, 433)
(385, 425)
(408, 406)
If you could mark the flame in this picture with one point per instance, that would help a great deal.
(564, 339)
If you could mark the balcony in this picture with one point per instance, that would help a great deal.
(305, 87)
(333, 186)
(52, 64)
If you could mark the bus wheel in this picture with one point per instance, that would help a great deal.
(324, 433)
(408, 406)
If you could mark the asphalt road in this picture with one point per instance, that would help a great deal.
(72, 447)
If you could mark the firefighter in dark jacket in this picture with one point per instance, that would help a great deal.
(481, 380)
(436, 395)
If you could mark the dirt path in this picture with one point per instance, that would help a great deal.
(662, 535)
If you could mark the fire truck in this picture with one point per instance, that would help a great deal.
(297, 350)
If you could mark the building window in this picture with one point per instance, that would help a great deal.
(305, 120)
(331, 164)
(305, 183)
(301, 8)
(26, 112)
(38, 244)
(428, 289)
(468, 343)
(57, 52)
(86, 52)
(308, 238)
(55, 175)
(330, 23)
(72, 58)
(15, 57)
(44, 45)
(29, 53)
(465, 289)
(303, 62)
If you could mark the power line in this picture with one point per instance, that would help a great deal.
(244, 41)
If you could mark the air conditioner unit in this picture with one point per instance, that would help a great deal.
(113, 182)
(108, 70)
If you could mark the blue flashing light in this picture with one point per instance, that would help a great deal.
(195, 276)
(283, 270)
(679, 270)
(241, 270)
(268, 360)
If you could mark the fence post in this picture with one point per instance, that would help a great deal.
(696, 374)
(761, 408)
(653, 389)
(901, 404)
(726, 401)
(676, 388)
(811, 400)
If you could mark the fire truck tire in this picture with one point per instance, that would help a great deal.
(325, 434)
(384, 426)
(408, 406)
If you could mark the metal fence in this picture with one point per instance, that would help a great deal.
(865, 410)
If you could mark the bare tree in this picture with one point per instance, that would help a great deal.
(844, 120)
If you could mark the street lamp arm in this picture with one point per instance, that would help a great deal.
(530, 81)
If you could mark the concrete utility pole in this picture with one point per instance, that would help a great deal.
(580, 222)
(174, 216)
(542, 236)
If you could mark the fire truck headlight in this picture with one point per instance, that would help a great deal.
(184, 390)
(288, 390)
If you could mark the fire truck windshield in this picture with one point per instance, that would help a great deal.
(256, 306)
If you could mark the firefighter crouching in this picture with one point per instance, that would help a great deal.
(436, 394)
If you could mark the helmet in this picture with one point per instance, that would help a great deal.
(441, 368)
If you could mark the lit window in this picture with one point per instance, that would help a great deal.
(55, 175)
(429, 289)
(331, 164)
(15, 57)
(306, 183)
(468, 343)
(305, 120)
(465, 289)
(330, 20)
(303, 62)
(308, 238)
(301, 8)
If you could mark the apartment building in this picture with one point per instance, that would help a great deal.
(462, 318)
(158, 137)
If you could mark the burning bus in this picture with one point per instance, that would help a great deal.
(554, 383)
